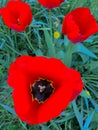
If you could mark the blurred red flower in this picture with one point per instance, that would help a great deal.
(79, 24)
(43, 87)
(17, 15)
(50, 3)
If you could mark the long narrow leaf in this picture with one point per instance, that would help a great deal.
(50, 45)
(82, 49)
(77, 114)
(9, 109)
(88, 120)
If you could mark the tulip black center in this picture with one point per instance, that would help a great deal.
(41, 90)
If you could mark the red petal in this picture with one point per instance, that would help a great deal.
(14, 12)
(37, 67)
(24, 106)
(77, 88)
(74, 80)
(55, 104)
(25, 70)
(79, 24)
(50, 4)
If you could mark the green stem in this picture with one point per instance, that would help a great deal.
(50, 20)
(68, 55)
(29, 43)
(51, 34)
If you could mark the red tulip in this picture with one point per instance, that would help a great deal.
(50, 3)
(17, 15)
(79, 24)
(43, 87)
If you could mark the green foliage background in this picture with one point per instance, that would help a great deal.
(81, 114)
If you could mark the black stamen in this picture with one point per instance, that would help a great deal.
(42, 89)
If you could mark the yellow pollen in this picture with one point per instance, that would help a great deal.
(42, 88)
(56, 35)
(87, 92)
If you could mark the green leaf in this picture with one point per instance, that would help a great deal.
(39, 52)
(95, 117)
(23, 124)
(44, 127)
(54, 124)
(88, 120)
(68, 54)
(60, 54)
(86, 102)
(50, 45)
(9, 109)
(12, 127)
(85, 94)
(77, 114)
(66, 41)
(69, 116)
(84, 58)
(94, 104)
(82, 49)
(93, 65)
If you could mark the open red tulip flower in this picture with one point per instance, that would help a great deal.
(42, 87)
(17, 15)
(79, 24)
(50, 3)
